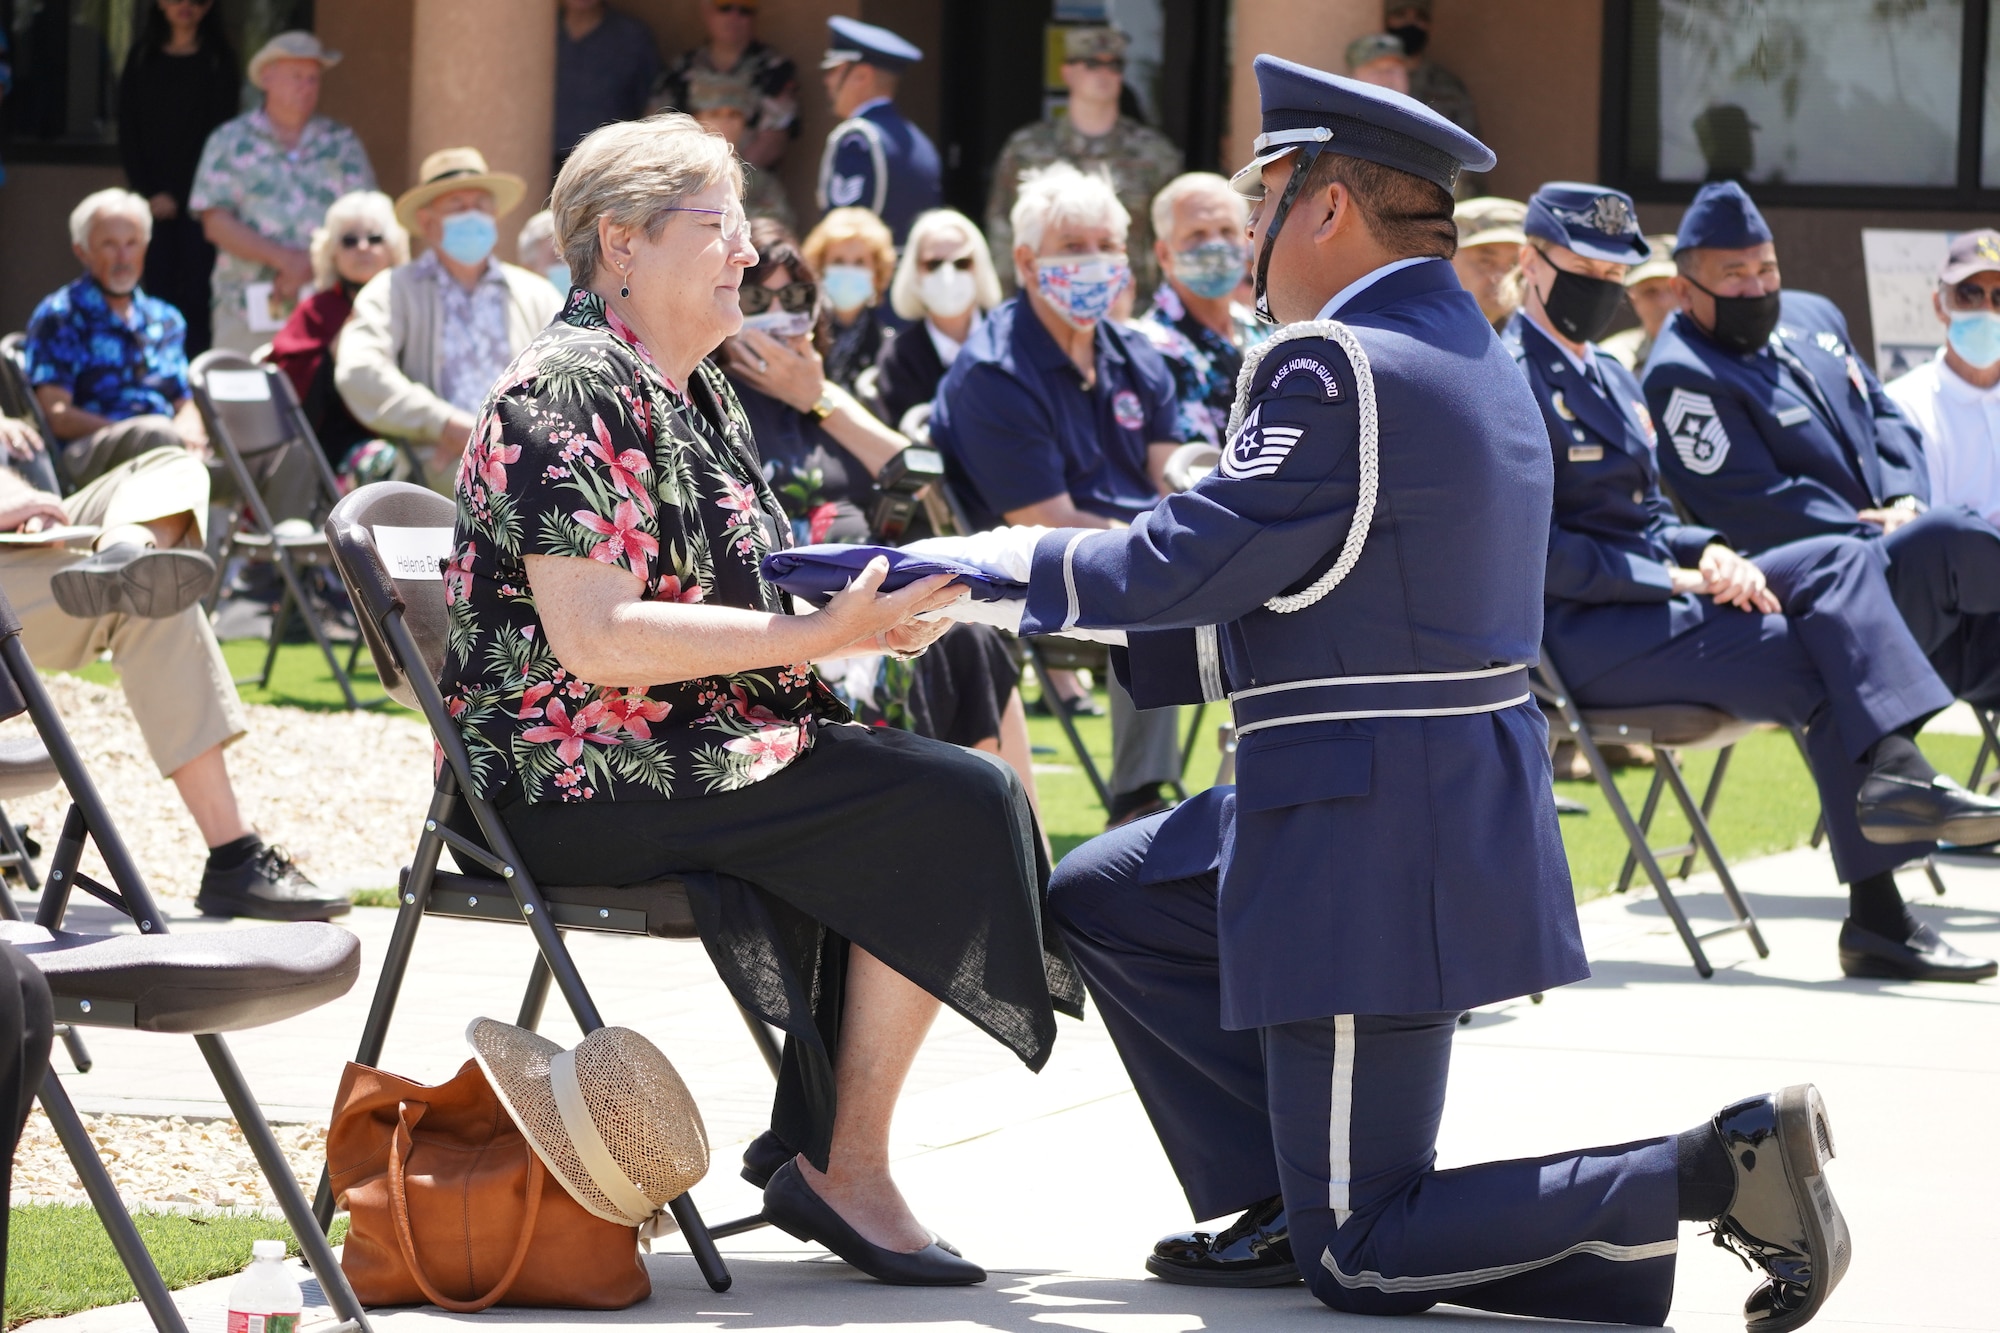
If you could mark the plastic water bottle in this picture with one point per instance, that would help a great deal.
(266, 1299)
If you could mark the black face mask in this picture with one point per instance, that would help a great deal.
(1582, 308)
(1414, 38)
(1743, 324)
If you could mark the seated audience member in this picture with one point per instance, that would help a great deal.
(1379, 58)
(733, 51)
(535, 248)
(606, 63)
(1649, 290)
(1773, 428)
(106, 360)
(945, 282)
(265, 182)
(1055, 414)
(1953, 398)
(851, 251)
(1645, 609)
(427, 340)
(860, 874)
(822, 451)
(360, 239)
(725, 104)
(1203, 246)
(1489, 239)
(137, 596)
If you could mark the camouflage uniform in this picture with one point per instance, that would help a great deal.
(1138, 158)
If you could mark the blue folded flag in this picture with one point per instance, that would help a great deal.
(816, 573)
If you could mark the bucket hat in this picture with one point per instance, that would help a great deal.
(294, 45)
(450, 169)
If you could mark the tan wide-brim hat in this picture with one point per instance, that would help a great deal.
(450, 169)
(1659, 264)
(611, 1119)
(294, 45)
(1490, 220)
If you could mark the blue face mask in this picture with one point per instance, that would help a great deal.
(558, 276)
(469, 236)
(1082, 288)
(1976, 337)
(1212, 269)
(847, 286)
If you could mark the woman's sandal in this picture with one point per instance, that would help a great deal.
(791, 1205)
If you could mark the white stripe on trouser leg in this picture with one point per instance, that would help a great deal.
(1340, 1120)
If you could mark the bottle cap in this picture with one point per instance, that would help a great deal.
(267, 1249)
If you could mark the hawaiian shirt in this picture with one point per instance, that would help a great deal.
(1138, 159)
(1205, 363)
(278, 192)
(771, 75)
(472, 334)
(585, 450)
(112, 366)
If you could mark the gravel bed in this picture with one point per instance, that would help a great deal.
(206, 1163)
(345, 793)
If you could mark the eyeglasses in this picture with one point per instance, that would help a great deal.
(963, 264)
(793, 298)
(355, 240)
(1116, 64)
(735, 224)
(1969, 295)
(739, 10)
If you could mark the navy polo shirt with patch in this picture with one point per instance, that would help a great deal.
(1017, 425)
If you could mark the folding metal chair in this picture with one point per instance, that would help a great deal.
(201, 985)
(387, 541)
(1669, 728)
(25, 769)
(1989, 748)
(254, 421)
(17, 400)
(1049, 653)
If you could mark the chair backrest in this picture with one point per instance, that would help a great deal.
(387, 539)
(17, 399)
(244, 410)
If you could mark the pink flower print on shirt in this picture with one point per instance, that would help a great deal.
(625, 467)
(635, 712)
(569, 733)
(458, 577)
(667, 588)
(623, 542)
(531, 699)
(769, 748)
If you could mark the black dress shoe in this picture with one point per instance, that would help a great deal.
(1894, 809)
(761, 1160)
(792, 1207)
(267, 886)
(1782, 1218)
(1253, 1251)
(133, 580)
(1923, 956)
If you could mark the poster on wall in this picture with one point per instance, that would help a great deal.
(1902, 275)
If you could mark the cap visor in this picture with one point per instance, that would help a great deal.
(1970, 268)
(1613, 254)
(1249, 181)
(835, 59)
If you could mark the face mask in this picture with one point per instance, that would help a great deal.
(947, 291)
(1212, 269)
(1413, 37)
(1975, 336)
(781, 323)
(1743, 324)
(558, 276)
(847, 286)
(1582, 308)
(469, 236)
(1082, 290)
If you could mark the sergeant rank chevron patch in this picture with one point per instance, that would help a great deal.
(1257, 449)
(1698, 436)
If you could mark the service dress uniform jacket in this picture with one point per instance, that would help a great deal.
(878, 160)
(1383, 864)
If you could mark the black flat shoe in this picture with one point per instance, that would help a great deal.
(1253, 1251)
(1893, 809)
(792, 1207)
(761, 1160)
(133, 580)
(1782, 1218)
(1924, 956)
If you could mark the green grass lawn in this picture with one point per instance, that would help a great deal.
(60, 1261)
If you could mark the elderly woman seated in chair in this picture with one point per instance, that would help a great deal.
(638, 702)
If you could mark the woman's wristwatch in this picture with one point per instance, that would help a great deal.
(826, 405)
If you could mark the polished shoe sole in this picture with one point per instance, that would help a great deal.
(1854, 963)
(1805, 1138)
(1894, 831)
(1286, 1276)
(261, 910)
(155, 586)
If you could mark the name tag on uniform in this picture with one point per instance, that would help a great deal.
(1795, 416)
(1586, 453)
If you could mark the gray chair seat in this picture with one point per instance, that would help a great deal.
(1677, 726)
(210, 981)
(25, 768)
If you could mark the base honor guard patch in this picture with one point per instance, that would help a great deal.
(1307, 372)
(1697, 434)
(1257, 449)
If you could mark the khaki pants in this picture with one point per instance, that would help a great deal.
(95, 454)
(172, 670)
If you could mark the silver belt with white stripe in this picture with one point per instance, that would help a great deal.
(1348, 698)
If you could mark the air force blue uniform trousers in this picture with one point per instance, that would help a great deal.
(1281, 962)
(1838, 662)
(1792, 441)
(877, 160)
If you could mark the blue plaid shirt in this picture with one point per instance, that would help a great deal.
(116, 368)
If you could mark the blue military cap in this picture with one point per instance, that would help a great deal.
(1722, 217)
(1306, 106)
(1596, 222)
(850, 39)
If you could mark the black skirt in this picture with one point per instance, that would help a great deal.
(924, 854)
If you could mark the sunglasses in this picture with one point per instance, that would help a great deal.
(1971, 296)
(1115, 64)
(355, 240)
(963, 264)
(740, 11)
(793, 298)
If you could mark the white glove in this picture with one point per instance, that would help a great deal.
(1007, 552)
(1001, 615)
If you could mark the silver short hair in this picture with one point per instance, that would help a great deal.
(631, 172)
(1059, 193)
(1194, 182)
(904, 293)
(115, 202)
(367, 208)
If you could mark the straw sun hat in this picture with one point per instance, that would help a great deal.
(611, 1119)
(450, 169)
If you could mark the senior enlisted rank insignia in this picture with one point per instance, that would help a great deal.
(1696, 431)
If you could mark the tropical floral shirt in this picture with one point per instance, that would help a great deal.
(1204, 362)
(117, 367)
(278, 192)
(585, 450)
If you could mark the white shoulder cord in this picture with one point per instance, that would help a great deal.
(1364, 502)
